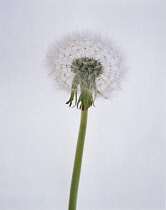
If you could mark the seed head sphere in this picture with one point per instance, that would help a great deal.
(86, 65)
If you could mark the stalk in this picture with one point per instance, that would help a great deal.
(78, 161)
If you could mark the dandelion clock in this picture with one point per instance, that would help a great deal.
(88, 67)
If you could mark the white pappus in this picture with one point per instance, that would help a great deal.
(87, 66)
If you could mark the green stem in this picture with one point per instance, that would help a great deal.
(78, 161)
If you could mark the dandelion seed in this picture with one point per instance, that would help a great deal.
(93, 67)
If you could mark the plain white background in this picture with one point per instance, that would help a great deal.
(123, 164)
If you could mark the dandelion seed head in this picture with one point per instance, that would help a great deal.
(88, 65)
